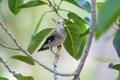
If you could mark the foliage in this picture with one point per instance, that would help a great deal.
(21, 77)
(23, 59)
(116, 40)
(106, 17)
(2, 78)
(75, 27)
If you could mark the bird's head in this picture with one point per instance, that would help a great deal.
(58, 24)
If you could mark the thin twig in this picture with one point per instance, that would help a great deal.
(55, 68)
(89, 40)
(55, 64)
(52, 6)
(30, 56)
(12, 72)
(3, 45)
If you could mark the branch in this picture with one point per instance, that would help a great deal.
(89, 40)
(55, 68)
(1, 44)
(52, 6)
(12, 72)
(30, 56)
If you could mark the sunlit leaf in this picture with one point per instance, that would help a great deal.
(103, 59)
(3, 78)
(13, 5)
(32, 4)
(115, 67)
(118, 78)
(99, 5)
(23, 59)
(107, 15)
(37, 39)
(21, 77)
(73, 44)
(116, 43)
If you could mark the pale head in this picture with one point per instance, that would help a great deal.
(59, 25)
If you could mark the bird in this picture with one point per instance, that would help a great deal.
(55, 39)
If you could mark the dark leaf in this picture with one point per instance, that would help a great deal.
(115, 67)
(13, 5)
(107, 15)
(23, 59)
(21, 77)
(116, 43)
(85, 4)
(2, 78)
(37, 39)
(0, 1)
(87, 20)
(32, 4)
(1, 59)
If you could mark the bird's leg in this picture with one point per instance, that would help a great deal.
(59, 48)
(56, 54)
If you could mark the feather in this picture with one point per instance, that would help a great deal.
(50, 38)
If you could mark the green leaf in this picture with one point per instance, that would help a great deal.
(2, 78)
(37, 39)
(75, 17)
(73, 44)
(23, 59)
(118, 78)
(32, 4)
(13, 5)
(21, 77)
(85, 6)
(115, 67)
(116, 43)
(107, 15)
(39, 22)
(1, 59)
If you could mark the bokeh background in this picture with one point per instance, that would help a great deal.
(101, 54)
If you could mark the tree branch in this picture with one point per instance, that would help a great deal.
(12, 72)
(3, 45)
(89, 40)
(30, 56)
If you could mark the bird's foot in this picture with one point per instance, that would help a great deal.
(57, 56)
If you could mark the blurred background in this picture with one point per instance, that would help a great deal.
(23, 24)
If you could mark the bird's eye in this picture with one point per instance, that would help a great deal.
(58, 22)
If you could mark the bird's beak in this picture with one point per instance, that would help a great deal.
(54, 20)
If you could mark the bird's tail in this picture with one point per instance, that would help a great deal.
(43, 48)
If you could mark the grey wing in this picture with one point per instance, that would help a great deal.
(50, 38)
